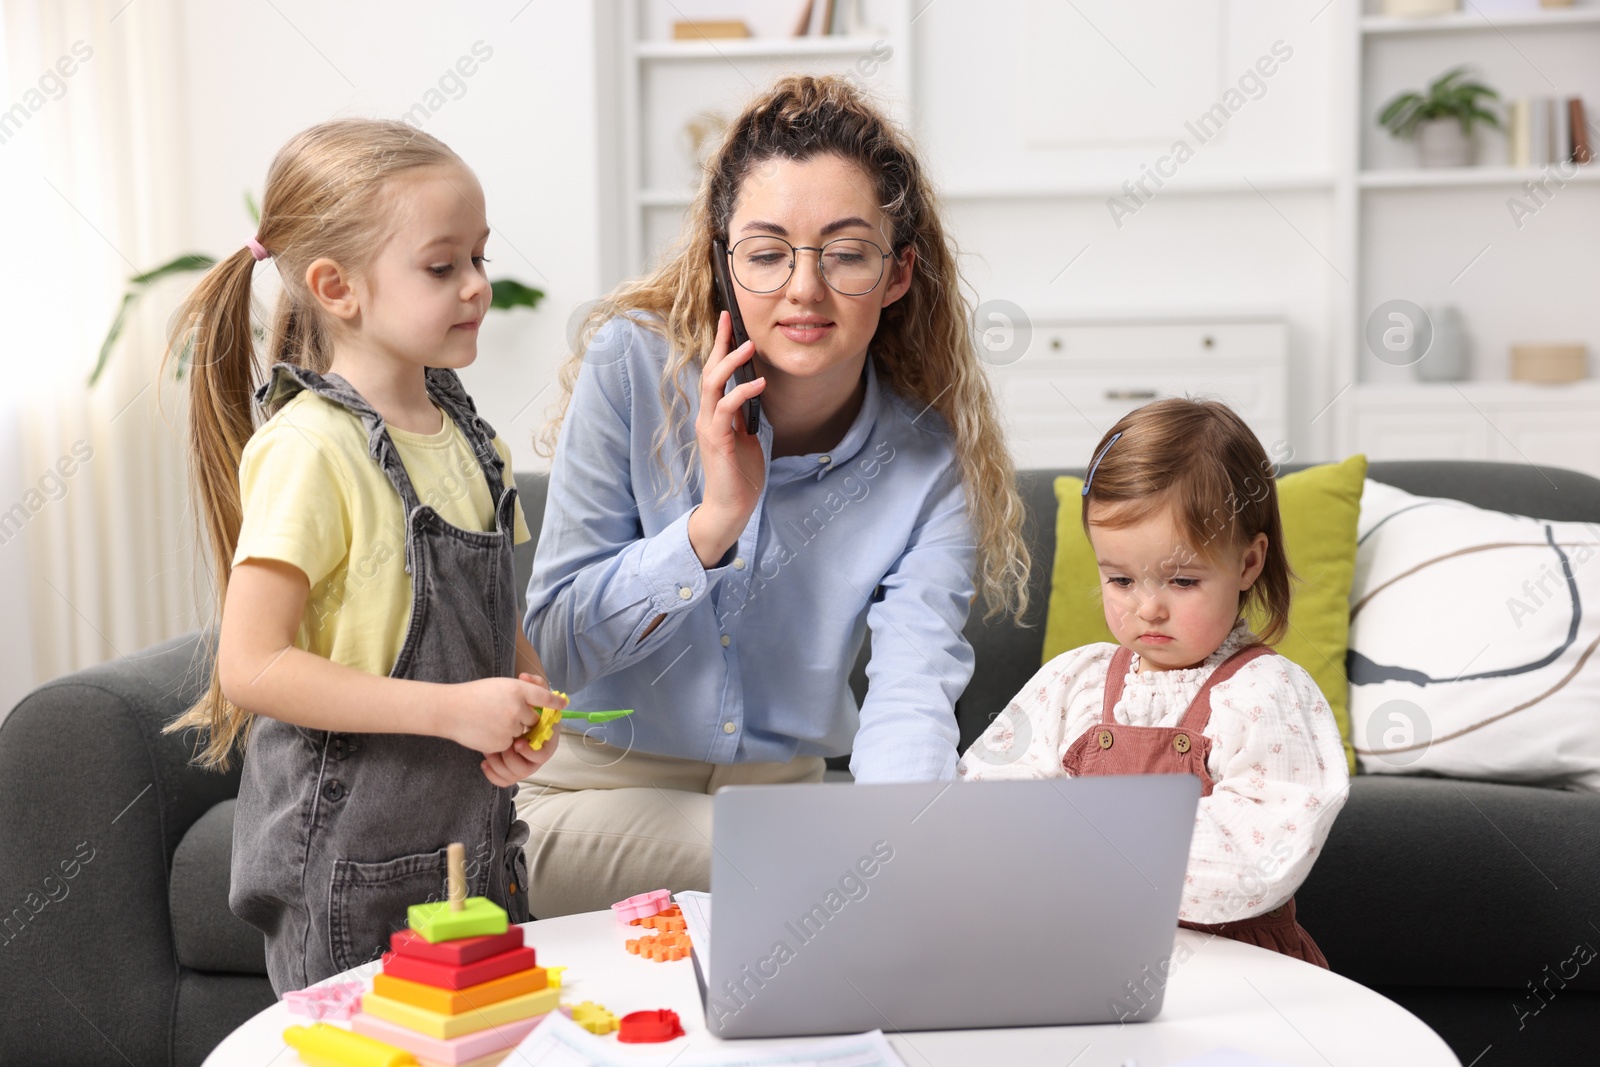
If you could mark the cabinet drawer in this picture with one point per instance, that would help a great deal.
(1105, 393)
(1198, 342)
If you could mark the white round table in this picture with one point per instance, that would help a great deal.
(1225, 995)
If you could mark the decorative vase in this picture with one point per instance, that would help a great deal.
(1442, 143)
(1447, 357)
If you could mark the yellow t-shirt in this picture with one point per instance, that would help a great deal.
(313, 498)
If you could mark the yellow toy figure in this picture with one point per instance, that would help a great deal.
(549, 717)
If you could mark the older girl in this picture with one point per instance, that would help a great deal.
(363, 546)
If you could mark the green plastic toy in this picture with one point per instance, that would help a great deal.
(459, 916)
(596, 716)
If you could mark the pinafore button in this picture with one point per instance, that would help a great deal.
(1181, 743)
(1104, 738)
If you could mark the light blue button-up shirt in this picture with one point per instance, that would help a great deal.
(752, 660)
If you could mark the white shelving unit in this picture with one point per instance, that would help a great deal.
(667, 83)
(1442, 178)
(1474, 21)
(1396, 231)
(1450, 236)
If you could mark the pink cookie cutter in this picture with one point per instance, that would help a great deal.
(335, 1000)
(641, 906)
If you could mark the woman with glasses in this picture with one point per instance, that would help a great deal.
(719, 582)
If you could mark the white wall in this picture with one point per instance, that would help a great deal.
(525, 122)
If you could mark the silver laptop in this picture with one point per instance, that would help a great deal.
(839, 908)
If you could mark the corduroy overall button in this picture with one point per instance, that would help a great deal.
(1104, 738)
(1181, 743)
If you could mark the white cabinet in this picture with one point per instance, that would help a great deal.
(1077, 378)
(1510, 422)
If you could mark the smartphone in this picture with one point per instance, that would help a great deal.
(746, 371)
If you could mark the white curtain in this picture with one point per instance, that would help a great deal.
(97, 551)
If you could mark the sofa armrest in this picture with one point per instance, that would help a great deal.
(96, 802)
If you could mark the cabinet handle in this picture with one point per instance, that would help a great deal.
(1130, 394)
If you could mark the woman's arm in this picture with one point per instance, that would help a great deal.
(603, 594)
(262, 671)
(920, 661)
(1283, 780)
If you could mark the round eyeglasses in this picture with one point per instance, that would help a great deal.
(851, 266)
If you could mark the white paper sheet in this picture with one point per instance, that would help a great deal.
(697, 917)
(560, 1042)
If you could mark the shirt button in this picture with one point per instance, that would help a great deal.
(728, 728)
(726, 640)
(738, 564)
(334, 789)
(684, 593)
(824, 460)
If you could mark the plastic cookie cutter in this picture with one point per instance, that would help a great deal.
(642, 905)
(667, 921)
(594, 1017)
(543, 729)
(336, 1000)
(640, 1027)
(549, 717)
(662, 947)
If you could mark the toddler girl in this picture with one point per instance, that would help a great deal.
(1180, 508)
(362, 540)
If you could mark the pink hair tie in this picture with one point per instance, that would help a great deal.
(257, 249)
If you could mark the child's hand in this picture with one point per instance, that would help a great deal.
(490, 714)
(522, 759)
(518, 761)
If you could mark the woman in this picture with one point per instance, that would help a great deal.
(720, 583)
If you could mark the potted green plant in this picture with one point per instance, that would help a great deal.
(506, 293)
(1442, 118)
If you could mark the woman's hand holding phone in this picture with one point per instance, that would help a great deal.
(732, 461)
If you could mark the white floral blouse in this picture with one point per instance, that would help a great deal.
(1276, 760)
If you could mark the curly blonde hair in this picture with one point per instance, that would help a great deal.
(923, 348)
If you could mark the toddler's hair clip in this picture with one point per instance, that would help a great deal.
(257, 249)
(1096, 464)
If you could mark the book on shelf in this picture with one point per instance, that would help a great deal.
(1542, 130)
(802, 19)
(701, 29)
(1578, 122)
(823, 18)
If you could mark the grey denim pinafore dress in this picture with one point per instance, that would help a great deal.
(335, 835)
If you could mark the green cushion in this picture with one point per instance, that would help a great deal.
(1320, 506)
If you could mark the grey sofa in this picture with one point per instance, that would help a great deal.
(1455, 899)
